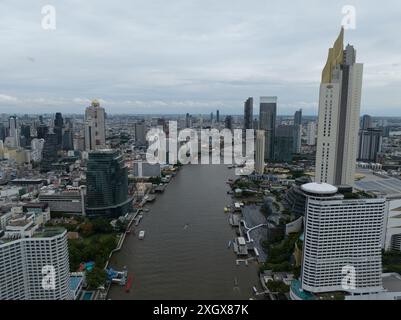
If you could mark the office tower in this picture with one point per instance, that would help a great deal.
(370, 144)
(37, 149)
(260, 152)
(298, 117)
(229, 122)
(366, 122)
(311, 134)
(2, 132)
(25, 262)
(68, 140)
(25, 139)
(42, 130)
(341, 234)
(107, 184)
(58, 128)
(267, 122)
(140, 133)
(49, 153)
(68, 135)
(248, 113)
(41, 119)
(338, 126)
(285, 142)
(95, 127)
(14, 131)
(188, 121)
(218, 116)
(211, 117)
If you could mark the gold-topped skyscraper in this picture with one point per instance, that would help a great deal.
(339, 110)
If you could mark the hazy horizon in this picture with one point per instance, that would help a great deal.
(162, 57)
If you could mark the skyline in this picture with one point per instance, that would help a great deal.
(159, 58)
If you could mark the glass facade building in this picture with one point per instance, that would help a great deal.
(107, 185)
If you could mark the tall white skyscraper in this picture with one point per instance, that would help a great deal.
(95, 127)
(26, 262)
(311, 134)
(260, 152)
(14, 137)
(339, 108)
(342, 235)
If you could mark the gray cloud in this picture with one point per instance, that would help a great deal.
(189, 55)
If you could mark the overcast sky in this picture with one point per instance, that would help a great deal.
(177, 56)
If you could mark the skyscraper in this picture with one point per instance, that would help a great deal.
(298, 117)
(248, 113)
(14, 131)
(140, 133)
(95, 127)
(229, 122)
(311, 134)
(341, 234)
(42, 130)
(107, 185)
(23, 261)
(285, 142)
(366, 122)
(370, 144)
(339, 105)
(58, 128)
(267, 122)
(49, 153)
(217, 116)
(260, 152)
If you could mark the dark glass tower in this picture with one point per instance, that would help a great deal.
(107, 185)
(42, 130)
(58, 128)
(248, 114)
(49, 153)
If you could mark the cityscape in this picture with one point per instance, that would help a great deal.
(254, 197)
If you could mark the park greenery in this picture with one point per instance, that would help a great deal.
(280, 254)
(391, 261)
(277, 287)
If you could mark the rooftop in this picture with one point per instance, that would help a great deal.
(319, 188)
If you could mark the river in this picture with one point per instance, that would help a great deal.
(184, 254)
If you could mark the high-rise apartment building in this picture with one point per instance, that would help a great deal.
(366, 122)
(26, 263)
(311, 134)
(95, 127)
(107, 184)
(248, 113)
(267, 122)
(260, 152)
(342, 234)
(339, 106)
(14, 134)
(370, 144)
(298, 117)
(140, 133)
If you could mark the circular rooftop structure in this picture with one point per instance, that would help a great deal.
(319, 188)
